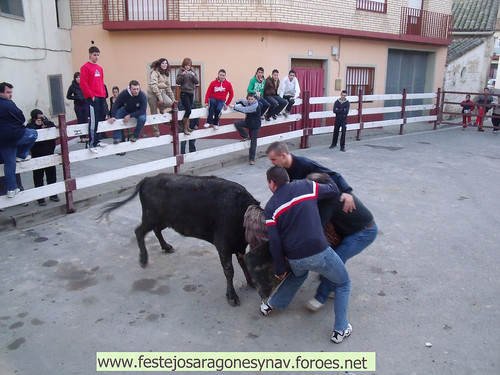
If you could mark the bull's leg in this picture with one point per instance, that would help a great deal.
(164, 244)
(243, 266)
(227, 265)
(140, 233)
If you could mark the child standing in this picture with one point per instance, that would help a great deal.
(467, 108)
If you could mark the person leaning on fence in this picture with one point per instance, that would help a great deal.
(193, 125)
(92, 85)
(218, 96)
(296, 235)
(290, 91)
(131, 103)
(43, 148)
(16, 140)
(251, 108)
(187, 80)
(484, 104)
(80, 107)
(160, 94)
(467, 108)
(341, 109)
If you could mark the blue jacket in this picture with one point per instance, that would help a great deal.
(293, 221)
(11, 122)
(252, 112)
(134, 105)
(341, 111)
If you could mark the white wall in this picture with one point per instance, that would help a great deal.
(33, 48)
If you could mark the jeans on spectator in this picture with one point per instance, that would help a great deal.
(25, 143)
(277, 104)
(341, 124)
(215, 107)
(187, 102)
(290, 100)
(264, 105)
(96, 114)
(141, 120)
(241, 125)
(328, 264)
(8, 155)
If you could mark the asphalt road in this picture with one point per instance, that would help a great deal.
(424, 294)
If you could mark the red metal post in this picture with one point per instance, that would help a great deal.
(304, 140)
(439, 109)
(175, 137)
(69, 182)
(403, 112)
(360, 117)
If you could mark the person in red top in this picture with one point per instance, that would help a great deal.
(467, 108)
(94, 92)
(219, 95)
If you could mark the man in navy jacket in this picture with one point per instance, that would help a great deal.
(132, 102)
(251, 108)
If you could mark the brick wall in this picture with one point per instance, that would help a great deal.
(86, 12)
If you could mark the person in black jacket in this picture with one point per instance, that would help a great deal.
(43, 148)
(341, 110)
(75, 93)
(251, 108)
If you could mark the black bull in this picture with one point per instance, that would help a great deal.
(208, 208)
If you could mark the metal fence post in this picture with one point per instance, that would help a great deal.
(360, 117)
(403, 112)
(439, 109)
(304, 140)
(175, 137)
(69, 182)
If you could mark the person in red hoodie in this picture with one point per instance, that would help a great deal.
(94, 92)
(219, 95)
(467, 108)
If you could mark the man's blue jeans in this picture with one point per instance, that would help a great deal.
(215, 107)
(25, 143)
(141, 120)
(329, 265)
(348, 247)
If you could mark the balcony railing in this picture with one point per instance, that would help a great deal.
(426, 24)
(140, 10)
(372, 6)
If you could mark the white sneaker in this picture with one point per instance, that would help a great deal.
(265, 309)
(11, 193)
(206, 125)
(25, 159)
(314, 305)
(338, 337)
(216, 127)
(94, 150)
(102, 144)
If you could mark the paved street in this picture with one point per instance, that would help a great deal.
(425, 294)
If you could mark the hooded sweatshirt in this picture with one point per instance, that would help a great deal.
(220, 90)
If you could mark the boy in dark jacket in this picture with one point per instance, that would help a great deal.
(467, 108)
(341, 110)
(43, 148)
(251, 108)
(271, 95)
(75, 93)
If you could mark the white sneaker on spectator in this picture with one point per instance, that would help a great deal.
(338, 337)
(314, 305)
(25, 159)
(102, 144)
(11, 193)
(206, 125)
(216, 127)
(94, 150)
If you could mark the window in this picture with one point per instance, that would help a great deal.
(12, 7)
(360, 78)
(56, 94)
(173, 73)
(63, 14)
(378, 6)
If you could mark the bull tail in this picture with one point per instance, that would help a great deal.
(113, 206)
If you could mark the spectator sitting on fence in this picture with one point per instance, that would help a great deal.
(251, 108)
(193, 125)
(43, 148)
(341, 110)
(15, 139)
(290, 90)
(467, 108)
(277, 103)
(187, 81)
(256, 86)
(484, 104)
(218, 96)
(132, 102)
(160, 95)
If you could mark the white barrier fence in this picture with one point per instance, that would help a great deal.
(82, 182)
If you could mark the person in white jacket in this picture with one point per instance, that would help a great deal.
(290, 90)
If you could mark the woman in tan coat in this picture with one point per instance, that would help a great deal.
(160, 95)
